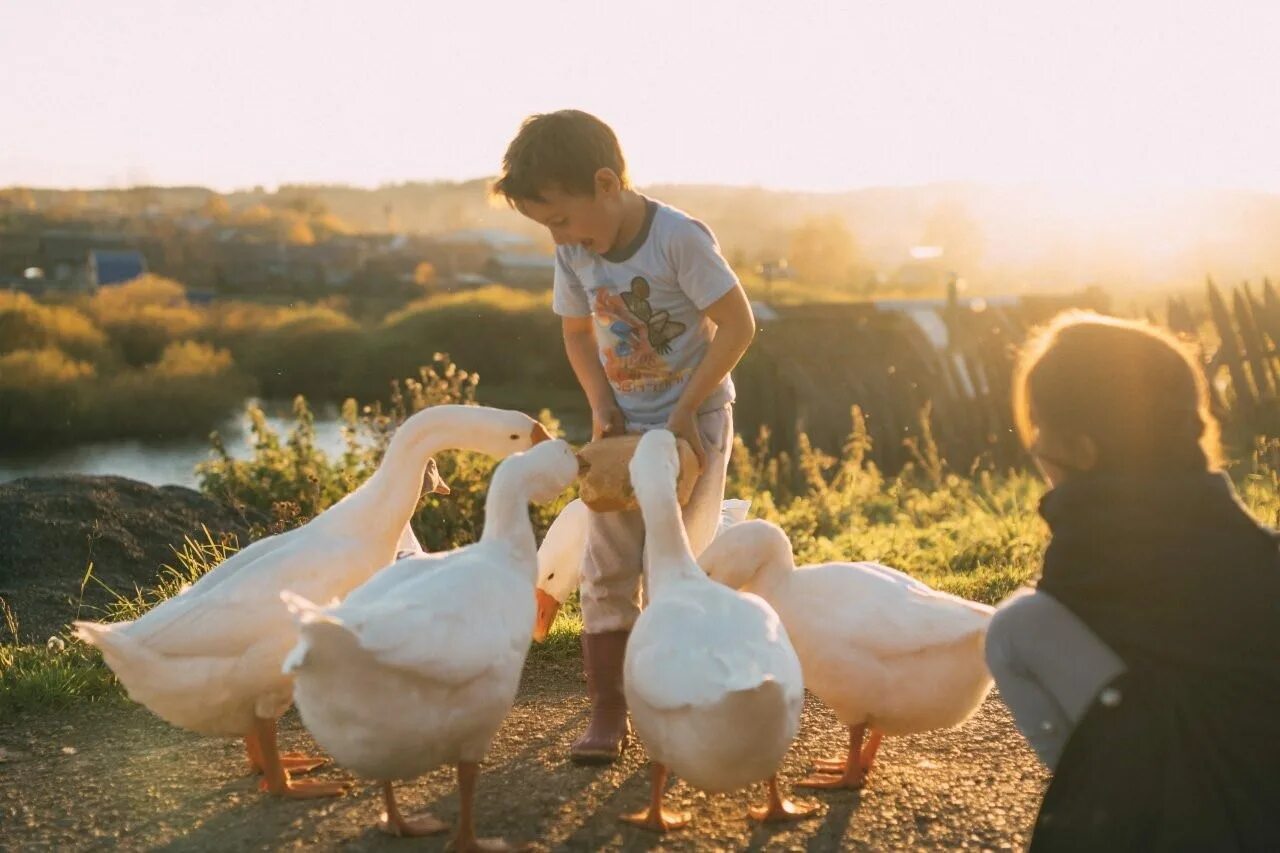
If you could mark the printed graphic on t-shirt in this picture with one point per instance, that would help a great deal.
(635, 337)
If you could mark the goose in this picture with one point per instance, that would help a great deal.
(401, 678)
(890, 655)
(560, 556)
(208, 659)
(714, 687)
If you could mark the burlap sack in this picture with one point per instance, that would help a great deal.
(606, 487)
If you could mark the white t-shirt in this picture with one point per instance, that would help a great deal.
(647, 300)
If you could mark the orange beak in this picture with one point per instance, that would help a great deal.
(548, 607)
(539, 434)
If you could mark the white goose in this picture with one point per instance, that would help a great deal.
(209, 658)
(886, 652)
(714, 687)
(560, 556)
(401, 678)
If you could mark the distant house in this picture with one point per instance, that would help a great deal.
(64, 255)
(534, 272)
(114, 266)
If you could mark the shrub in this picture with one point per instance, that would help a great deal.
(144, 316)
(47, 398)
(28, 325)
(301, 351)
(510, 337)
(292, 479)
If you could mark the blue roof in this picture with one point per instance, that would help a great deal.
(113, 266)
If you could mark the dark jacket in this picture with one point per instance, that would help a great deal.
(1182, 752)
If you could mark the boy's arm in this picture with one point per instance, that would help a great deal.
(735, 329)
(580, 345)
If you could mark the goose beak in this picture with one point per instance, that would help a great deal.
(548, 607)
(433, 482)
(539, 434)
(583, 465)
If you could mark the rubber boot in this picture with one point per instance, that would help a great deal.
(606, 735)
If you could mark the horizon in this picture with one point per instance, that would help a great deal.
(804, 99)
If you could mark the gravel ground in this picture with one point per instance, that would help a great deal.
(110, 776)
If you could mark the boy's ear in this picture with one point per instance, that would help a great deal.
(607, 182)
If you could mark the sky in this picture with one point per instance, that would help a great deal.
(805, 95)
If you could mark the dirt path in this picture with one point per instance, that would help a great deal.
(111, 776)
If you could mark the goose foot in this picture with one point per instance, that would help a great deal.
(303, 790)
(261, 745)
(851, 772)
(466, 841)
(831, 781)
(298, 762)
(779, 809)
(659, 820)
(292, 762)
(393, 823)
(656, 818)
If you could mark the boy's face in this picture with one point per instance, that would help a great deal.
(589, 221)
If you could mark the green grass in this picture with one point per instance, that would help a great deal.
(65, 671)
(49, 677)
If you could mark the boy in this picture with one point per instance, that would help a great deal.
(653, 320)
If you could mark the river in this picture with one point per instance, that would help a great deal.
(164, 463)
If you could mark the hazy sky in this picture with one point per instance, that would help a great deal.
(783, 94)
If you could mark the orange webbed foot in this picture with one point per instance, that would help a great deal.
(783, 811)
(300, 762)
(306, 790)
(833, 781)
(658, 820)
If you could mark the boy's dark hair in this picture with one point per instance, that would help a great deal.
(1133, 389)
(561, 150)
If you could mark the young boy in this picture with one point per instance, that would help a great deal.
(653, 321)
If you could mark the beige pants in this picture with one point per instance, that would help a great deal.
(613, 563)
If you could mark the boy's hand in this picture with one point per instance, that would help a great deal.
(607, 422)
(685, 425)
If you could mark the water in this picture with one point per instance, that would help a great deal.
(167, 463)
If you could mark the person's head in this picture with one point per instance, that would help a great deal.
(565, 170)
(1095, 393)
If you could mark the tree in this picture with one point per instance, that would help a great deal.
(823, 250)
(215, 207)
(299, 233)
(18, 199)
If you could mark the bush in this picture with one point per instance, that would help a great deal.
(510, 337)
(144, 316)
(28, 325)
(978, 536)
(302, 351)
(47, 398)
(291, 479)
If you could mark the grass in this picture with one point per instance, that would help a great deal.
(65, 671)
(49, 677)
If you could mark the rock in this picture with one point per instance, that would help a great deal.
(54, 527)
